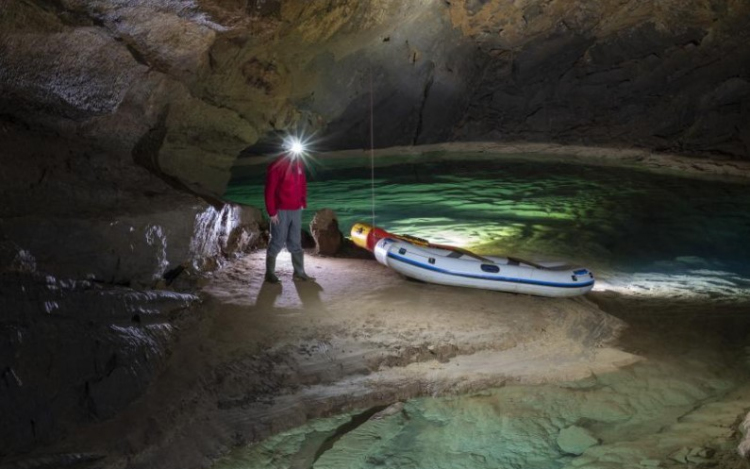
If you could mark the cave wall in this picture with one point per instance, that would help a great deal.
(666, 76)
(99, 229)
(671, 75)
(195, 83)
(92, 105)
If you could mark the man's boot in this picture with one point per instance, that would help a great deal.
(298, 262)
(270, 269)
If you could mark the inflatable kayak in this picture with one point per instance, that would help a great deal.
(447, 265)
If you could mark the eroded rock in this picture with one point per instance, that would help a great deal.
(324, 228)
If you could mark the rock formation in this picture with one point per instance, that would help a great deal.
(324, 228)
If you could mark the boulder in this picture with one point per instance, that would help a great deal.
(325, 230)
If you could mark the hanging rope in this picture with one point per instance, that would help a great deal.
(372, 150)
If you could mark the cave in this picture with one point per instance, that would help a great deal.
(601, 148)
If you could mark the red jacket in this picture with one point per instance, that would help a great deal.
(286, 185)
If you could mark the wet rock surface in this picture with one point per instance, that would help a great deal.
(516, 426)
(575, 440)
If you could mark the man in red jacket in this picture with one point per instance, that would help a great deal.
(286, 196)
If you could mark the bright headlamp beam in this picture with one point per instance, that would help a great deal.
(296, 147)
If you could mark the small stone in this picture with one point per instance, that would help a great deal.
(702, 452)
(575, 440)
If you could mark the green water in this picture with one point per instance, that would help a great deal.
(635, 227)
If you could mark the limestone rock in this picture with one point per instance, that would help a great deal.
(307, 240)
(73, 73)
(576, 440)
(744, 446)
(325, 230)
(364, 443)
(138, 249)
(102, 346)
(246, 232)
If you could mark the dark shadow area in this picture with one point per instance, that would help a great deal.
(267, 296)
(309, 293)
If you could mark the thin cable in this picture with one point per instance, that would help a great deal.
(372, 151)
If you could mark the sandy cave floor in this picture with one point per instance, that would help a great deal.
(261, 359)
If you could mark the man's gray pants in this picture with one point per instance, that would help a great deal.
(287, 232)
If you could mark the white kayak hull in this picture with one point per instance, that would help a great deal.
(447, 267)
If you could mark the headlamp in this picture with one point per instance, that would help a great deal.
(296, 147)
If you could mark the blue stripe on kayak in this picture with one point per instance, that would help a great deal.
(489, 277)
